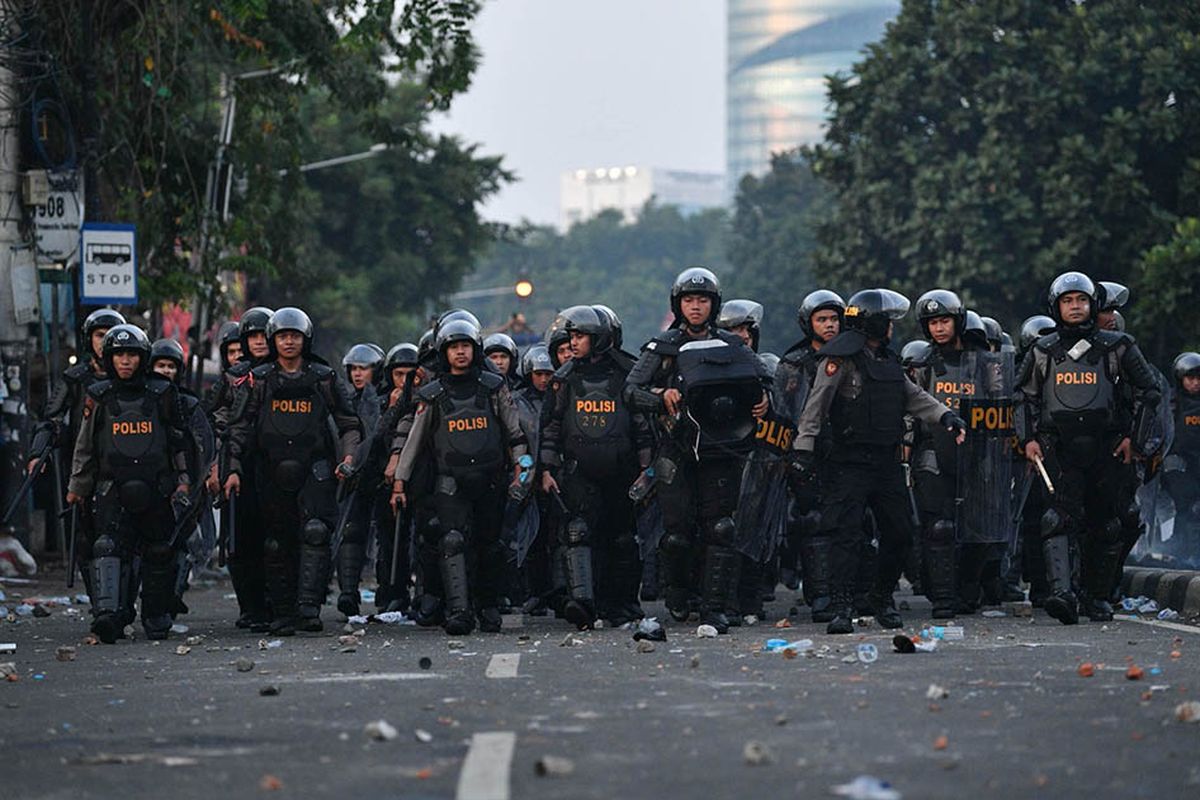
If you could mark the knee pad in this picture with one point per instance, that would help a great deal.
(578, 534)
(453, 543)
(674, 544)
(1053, 524)
(315, 533)
(722, 531)
(942, 531)
(104, 546)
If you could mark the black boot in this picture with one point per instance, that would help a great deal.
(939, 558)
(1061, 602)
(580, 608)
(350, 560)
(721, 568)
(458, 618)
(281, 577)
(109, 578)
(1101, 560)
(842, 606)
(816, 560)
(314, 575)
(158, 586)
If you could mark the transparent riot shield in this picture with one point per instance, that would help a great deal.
(762, 512)
(986, 466)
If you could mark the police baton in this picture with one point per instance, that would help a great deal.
(25, 484)
(1041, 468)
(396, 529)
(74, 532)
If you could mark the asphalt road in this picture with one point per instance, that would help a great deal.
(139, 719)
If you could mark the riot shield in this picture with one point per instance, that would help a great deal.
(789, 390)
(649, 525)
(984, 503)
(525, 528)
(762, 511)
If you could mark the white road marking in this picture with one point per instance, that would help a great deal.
(365, 677)
(486, 770)
(503, 665)
(1158, 623)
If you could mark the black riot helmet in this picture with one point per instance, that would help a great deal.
(695, 280)
(813, 302)
(614, 324)
(501, 342)
(536, 359)
(169, 349)
(736, 313)
(871, 311)
(101, 318)
(405, 354)
(227, 334)
(1185, 364)
(254, 320)
(458, 330)
(1118, 320)
(589, 321)
(1113, 295)
(1006, 343)
(770, 361)
(453, 314)
(425, 349)
(290, 318)
(363, 354)
(1034, 328)
(1073, 282)
(916, 354)
(941, 303)
(556, 334)
(125, 337)
(993, 332)
(974, 332)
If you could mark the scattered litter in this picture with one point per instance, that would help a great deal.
(425, 663)
(782, 645)
(84, 600)
(356, 619)
(1176, 654)
(194, 640)
(935, 692)
(393, 618)
(709, 632)
(244, 665)
(757, 754)
(1021, 609)
(850, 659)
(8, 671)
(784, 623)
(138, 758)
(941, 742)
(867, 653)
(455, 644)
(1168, 613)
(945, 632)
(570, 640)
(269, 783)
(866, 787)
(270, 690)
(993, 613)
(40, 610)
(349, 640)
(649, 629)
(24, 610)
(64, 653)
(1188, 712)
(179, 629)
(1148, 607)
(182, 650)
(380, 730)
(645, 647)
(863, 622)
(1086, 669)
(423, 736)
(554, 766)
(1134, 673)
(263, 644)
(367, 596)
(695, 662)
(8, 647)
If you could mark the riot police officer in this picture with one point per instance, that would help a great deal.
(59, 426)
(595, 447)
(820, 320)
(1031, 500)
(537, 371)
(862, 393)
(289, 416)
(131, 464)
(246, 564)
(362, 363)
(501, 350)
(1070, 419)
(947, 376)
(466, 420)
(1181, 469)
(167, 361)
(706, 389)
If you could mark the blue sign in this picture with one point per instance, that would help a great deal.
(108, 264)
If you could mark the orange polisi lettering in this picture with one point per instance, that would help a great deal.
(138, 428)
(1076, 379)
(595, 406)
(469, 424)
(291, 406)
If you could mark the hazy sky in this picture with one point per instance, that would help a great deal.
(588, 83)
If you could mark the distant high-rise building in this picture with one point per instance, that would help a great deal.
(584, 193)
(779, 52)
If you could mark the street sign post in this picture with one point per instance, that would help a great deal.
(108, 264)
(58, 220)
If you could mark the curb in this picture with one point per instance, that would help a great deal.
(1177, 589)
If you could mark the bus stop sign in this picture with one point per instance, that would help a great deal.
(108, 264)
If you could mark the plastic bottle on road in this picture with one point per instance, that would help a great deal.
(946, 632)
(868, 653)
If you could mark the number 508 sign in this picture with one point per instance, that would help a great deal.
(108, 264)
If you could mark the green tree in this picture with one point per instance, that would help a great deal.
(988, 146)
(772, 244)
(1169, 275)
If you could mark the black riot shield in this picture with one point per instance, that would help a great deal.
(985, 460)
(789, 390)
(762, 513)
(649, 525)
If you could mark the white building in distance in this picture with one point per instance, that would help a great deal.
(584, 193)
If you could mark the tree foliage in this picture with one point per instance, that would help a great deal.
(161, 67)
(988, 146)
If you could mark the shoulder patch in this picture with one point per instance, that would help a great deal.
(832, 365)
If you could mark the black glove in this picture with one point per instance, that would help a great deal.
(953, 423)
(802, 467)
